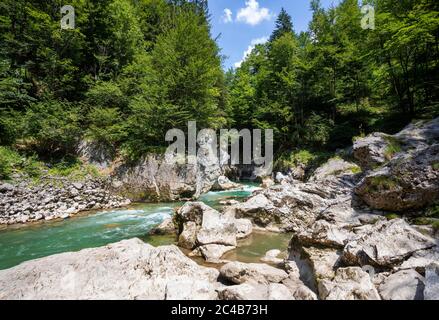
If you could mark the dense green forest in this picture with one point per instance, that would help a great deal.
(133, 69)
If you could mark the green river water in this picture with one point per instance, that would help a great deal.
(22, 243)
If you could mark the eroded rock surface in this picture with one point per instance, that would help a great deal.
(129, 269)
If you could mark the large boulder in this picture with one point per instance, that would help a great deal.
(348, 284)
(254, 291)
(378, 148)
(385, 244)
(403, 285)
(223, 183)
(210, 232)
(334, 167)
(129, 269)
(238, 272)
(373, 150)
(410, 181)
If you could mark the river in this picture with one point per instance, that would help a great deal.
(93, 229)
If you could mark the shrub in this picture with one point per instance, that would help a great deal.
(9, 159)
(393, 147)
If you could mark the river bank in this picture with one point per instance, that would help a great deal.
(337, 238)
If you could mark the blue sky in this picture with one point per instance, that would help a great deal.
(243, 23)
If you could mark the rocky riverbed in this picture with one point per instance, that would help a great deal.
(344, 244)
(24, 201)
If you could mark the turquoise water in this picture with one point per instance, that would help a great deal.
(22, 243)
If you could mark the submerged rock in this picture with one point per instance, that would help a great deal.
(129, 269)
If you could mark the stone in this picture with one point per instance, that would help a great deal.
(126, 270)
(350, 283)
(325, 234)
(166, 227)
(408, 182)
(298, 289)
(370, 151)
(188, 237)
(421, 259)
(245, 291)
(323, 262)
(213, 252)
(244, 228)
(332, 168)
(278, 291)
(267, 182)
(238, 272)
(431, 291)
(272, 257)
(403, 285)
(223, 183)
(386, 244)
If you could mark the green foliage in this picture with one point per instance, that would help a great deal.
(435, 166)
(304, 158)
(392, 216)
(393, 147)
(106, 126)
(51, 128)
(73, 169)
(12, 162)
(9, 159)
(382, 183)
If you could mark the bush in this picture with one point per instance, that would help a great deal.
(52, 128)
(9, 159)
(106, 126)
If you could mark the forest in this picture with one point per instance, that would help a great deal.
(132, 69)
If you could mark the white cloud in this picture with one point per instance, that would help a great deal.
(227, 16)
(252, 14)
(250, 48)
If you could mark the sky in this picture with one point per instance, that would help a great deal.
(240, 24)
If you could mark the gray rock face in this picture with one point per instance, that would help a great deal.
(349, 284)
(421, 259)
(431, 291)
(273, 257)
(54, 197)
(378, 148)
(238, 272)
(166, 227)
(370, 151)
(323, 262)
(295, 207)
(408, 174)
(244, 228)
(223, 183)
(386, 244)
(210, 232)
(156, 178)
(129, 269)
(410, 181)
(213, 252)
(403, 285)
(334, 167)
